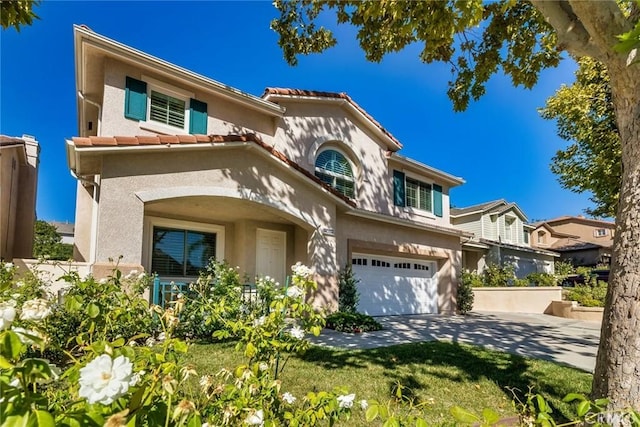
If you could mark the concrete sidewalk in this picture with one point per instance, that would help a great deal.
(566, 341)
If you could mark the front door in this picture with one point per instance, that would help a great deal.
(271, 254)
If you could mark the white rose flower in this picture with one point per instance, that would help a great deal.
(263, 366)
(364, 404)
(294, 292)
(103, 281)
(162, 336)
(7, 314)
(346, 401)
(289, 398)
(35, 309)
(8, 265)
(104, 380)
(259, 321)
(142, 275)
(255, 419)
(297, 332)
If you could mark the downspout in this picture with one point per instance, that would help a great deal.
(95, 183)
(95, 104)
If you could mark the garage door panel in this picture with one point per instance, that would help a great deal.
(406, 286)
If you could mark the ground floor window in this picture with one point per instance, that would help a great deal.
(177, 252)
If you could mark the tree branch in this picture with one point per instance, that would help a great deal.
(572, 35)
(603, 20)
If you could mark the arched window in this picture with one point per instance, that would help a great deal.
(333, 168)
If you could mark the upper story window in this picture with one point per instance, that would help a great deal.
(410, 192)
(333, 168)
(508, 229)
(525, 235)
(160, 107)
(600, 232)
(167, 109)
(542, 237)
(418, 195)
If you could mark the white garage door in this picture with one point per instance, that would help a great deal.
(390, 285)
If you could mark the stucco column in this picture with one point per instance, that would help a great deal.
(322, 255)
(120, 224)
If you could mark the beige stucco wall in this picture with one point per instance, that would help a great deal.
(18, 189)
(50, 272)
(585, 231)
(516, 300)
(225, 117)
(571, 310)
(311, 127)
(366, 236)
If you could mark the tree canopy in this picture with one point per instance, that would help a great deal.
(17, 13)
(585, 115)
(48, 243)
(520, 38)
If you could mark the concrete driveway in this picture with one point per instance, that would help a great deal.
(566, 341)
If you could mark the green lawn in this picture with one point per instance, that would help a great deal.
(440, 373)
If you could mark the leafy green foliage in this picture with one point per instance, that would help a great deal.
(17, 13)
(218, 283)
(584, 114)
(478, 39)
(348, 291)
(542, 279)
(495, 275)
(47, 243)
(464, 297)
(352, 322)
(588, 295)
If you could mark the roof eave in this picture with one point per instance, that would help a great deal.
(453, 181)
(344, 103)
(130, 54)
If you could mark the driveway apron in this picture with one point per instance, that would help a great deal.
(566, 341)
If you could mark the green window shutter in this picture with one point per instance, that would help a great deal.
(197, 117)
(135, 99)
(398, 188)
(437, 200)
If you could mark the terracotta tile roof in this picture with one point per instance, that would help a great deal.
(124, 141)
(8, 140)
(336, 95)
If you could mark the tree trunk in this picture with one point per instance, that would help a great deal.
(617, 372)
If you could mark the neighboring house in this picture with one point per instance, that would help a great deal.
(582, 241)
(501, 235)
(174, 168)
(19, 158)
(65, 230)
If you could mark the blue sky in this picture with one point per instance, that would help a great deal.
(500, 145)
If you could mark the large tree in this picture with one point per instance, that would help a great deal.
(518, 38)
(17, 13)
(585, 116)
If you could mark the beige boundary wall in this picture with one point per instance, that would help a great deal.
(516, 299)
(571, 310)
(50, 271)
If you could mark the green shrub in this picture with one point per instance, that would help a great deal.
(563, 268)
(464, 297)
(352, 322)
(542, 279)
(520, 283)
(218, 282)
(348, 291)
(587, 295)
(497, 276)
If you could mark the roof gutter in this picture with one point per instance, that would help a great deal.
(405, 161)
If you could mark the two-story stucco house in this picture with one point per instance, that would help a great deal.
(579, 240)
(174, 168)
(501, 235)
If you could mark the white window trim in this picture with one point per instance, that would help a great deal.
(354, 169)
(418, 211)
(153, 221)
(597, 231)
(173, 91)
